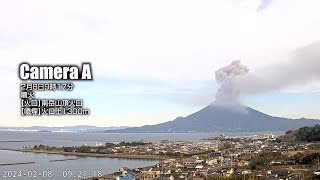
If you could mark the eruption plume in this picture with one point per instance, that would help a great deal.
(300, 70)
(228, 77)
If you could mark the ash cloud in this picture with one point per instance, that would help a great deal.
(302, 69)
(228, 78)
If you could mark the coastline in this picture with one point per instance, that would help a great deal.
(122, 156)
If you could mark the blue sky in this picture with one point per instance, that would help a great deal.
(264, 4)
(154, 61)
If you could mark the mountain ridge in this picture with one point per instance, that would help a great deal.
(216, 118)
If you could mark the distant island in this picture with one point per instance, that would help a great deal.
(44, 131)
(78, 128)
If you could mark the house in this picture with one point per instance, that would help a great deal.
(215, 154)
(190, 161)
(281, 173)
(150, 173)
(228, 172)
(317, 173)
(127, 174)
(107, 177)
(199, 166)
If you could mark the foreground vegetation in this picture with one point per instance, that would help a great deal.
(89, 149)
(303, 134)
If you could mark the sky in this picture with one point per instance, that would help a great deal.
(153, 61)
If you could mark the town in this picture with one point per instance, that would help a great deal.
(253, 157)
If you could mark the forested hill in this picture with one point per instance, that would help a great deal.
(306, 133)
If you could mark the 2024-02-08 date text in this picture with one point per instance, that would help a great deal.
(48, 174)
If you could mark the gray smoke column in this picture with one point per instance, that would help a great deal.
(228, 78)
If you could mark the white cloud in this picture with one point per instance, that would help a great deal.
(165, 40)
(175, 41)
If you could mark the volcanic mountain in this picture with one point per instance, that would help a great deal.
(215, 118)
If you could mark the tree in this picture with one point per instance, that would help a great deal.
(67, 149)
(263, 160)
(109, 145)
(84, 149)
(310, 158)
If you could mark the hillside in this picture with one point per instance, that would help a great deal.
(215, 118)
(305, 134)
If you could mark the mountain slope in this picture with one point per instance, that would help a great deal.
(215, 118)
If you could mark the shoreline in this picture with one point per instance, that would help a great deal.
(121, 156)
(18, 163)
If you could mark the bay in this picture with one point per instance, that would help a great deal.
(83, 166)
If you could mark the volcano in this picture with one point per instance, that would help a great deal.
(215, 118)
